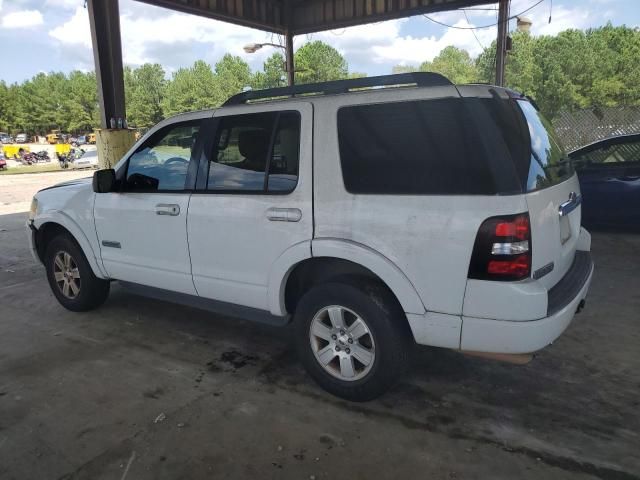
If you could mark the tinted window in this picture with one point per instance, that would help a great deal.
(444, 146)
(162, 162)
(549, 165)
(610, 154)
(464, 146)
(256, 153)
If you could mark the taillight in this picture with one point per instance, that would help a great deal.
(502, 250)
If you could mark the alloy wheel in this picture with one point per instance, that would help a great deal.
(342, 343)
(66, 275)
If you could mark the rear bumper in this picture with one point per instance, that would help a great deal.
(499, 336)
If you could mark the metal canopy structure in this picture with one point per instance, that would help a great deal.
(286, 17)
(298, 17)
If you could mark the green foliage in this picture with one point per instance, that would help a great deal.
(319, 62)
(144, 89)
(192, 88)
(273, 73)
(453, 63)
(575, 69)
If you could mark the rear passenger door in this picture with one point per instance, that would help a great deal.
(253, 200)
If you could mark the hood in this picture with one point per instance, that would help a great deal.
(70, 183)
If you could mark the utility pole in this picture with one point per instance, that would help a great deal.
(501, 47)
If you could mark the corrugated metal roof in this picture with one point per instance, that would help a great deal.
(306, 16)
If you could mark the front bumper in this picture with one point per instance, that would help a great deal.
(499, 336)
(32, 232)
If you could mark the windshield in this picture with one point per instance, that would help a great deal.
(549, 165)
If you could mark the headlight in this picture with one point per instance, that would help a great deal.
(34, 208)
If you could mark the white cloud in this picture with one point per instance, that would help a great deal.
(22, 19)
(382, 43)
(561, 19)
(67, 4)
(156, 38)
(75, 31)
(174, 39)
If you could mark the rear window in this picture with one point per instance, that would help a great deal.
(548, 165)
(455, 146)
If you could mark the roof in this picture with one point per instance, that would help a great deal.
(307, 16)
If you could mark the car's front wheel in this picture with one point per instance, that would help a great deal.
(70, 276)
(352, 338)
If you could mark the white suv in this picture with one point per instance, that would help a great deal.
(430, 213)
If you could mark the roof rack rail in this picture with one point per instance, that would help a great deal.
(420, 79)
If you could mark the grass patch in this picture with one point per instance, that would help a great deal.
(45, 167)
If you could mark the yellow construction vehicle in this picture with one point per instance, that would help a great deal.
(54, 137)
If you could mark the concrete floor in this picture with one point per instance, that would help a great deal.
(141, 389)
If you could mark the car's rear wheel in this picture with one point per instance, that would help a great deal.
(352, 338)
(70, 276)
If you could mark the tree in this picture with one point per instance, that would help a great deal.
(319, 62)
(273, 73)
(145, 88)
(81, 104)
(192, 88)
(405, 69)
(453, 63)
(232, 76)
(574, 69)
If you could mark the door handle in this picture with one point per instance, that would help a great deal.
(168, 209)
(570, 205)
(284, 214)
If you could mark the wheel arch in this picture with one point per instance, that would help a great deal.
(52, 224)
(333, 258)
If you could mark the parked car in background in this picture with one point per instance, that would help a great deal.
(609, 174)
(352, 214)
(81, 140)
(22, 138)
(3, 164)
(5, 138)
(86, 160)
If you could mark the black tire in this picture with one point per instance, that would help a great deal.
(386, 322)
(93, 291)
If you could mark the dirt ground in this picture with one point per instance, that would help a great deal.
(142, 389)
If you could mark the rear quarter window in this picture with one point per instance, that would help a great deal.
(413, 148)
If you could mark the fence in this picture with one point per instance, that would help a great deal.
(581, 127)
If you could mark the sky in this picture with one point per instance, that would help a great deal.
(53, 35)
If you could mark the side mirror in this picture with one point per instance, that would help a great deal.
(104, 181)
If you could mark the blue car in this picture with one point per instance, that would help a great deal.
(609, 174)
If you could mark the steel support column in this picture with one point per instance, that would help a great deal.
(290, 64)
(288, 42)
(104, 20)
(501, 44)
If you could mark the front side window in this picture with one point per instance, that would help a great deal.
(162, 162)
(256, 153)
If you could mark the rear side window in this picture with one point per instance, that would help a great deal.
(257, 153)
(413, 148)
(451, 146)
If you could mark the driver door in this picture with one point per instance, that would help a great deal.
(142, 229)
